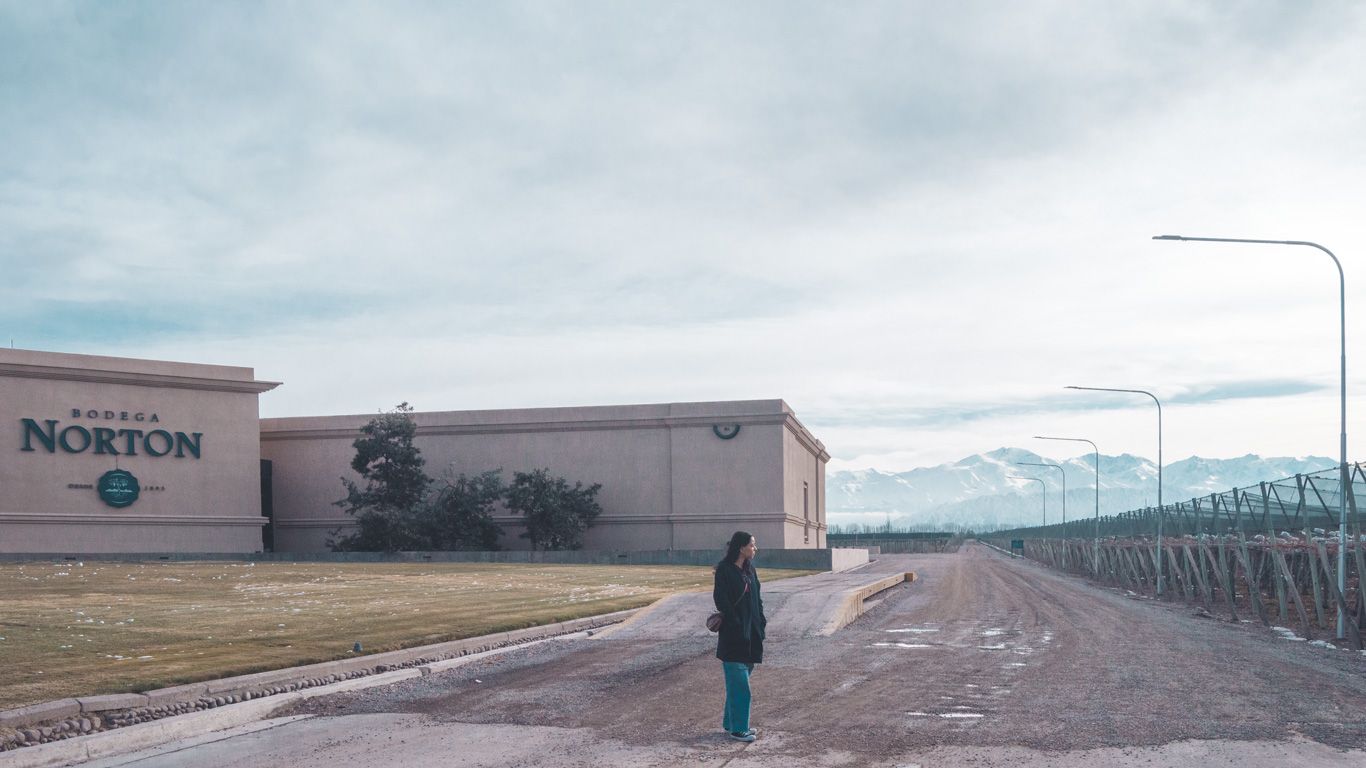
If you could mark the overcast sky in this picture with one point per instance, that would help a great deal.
(915, 222)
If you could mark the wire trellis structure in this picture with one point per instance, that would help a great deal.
(1290, 504)
(1262, 549)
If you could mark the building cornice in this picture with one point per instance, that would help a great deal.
(590, 425)
(599, 425)
(808, 440)
(167, 381)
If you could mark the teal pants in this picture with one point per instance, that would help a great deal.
(736, 718)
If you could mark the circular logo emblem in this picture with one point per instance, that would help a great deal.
(725, 432)
(118, 488)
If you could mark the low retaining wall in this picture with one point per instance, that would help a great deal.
(854, 607)
(841, 558)
(838, 559)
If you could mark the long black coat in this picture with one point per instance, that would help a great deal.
(742, 627)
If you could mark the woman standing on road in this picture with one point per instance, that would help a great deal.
(740, 641)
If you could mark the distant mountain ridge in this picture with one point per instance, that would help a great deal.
(976, 491)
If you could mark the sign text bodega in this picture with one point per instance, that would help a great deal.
(95, 413)
(127, 442)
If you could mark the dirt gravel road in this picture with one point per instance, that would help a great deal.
(984, 661)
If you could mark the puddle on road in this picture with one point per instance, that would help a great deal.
(993, 632)
(958, 715)
(917, 630)
(901, 645)
(1000, 647)
(1017, 664)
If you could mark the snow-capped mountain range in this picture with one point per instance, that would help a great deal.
(978, 491)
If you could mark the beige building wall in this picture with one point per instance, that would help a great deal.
(668, 480)
(674, 476)
(92, 410)
(803, 491)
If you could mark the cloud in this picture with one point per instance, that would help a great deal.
(911, 223)
(1237, 390)
(896, 415)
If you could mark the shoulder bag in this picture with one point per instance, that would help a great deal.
(715, 619)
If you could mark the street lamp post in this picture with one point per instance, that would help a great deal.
(1043, 493)
(1159, 466)
(1064, 482)
(1095, 557)
(1342, 464)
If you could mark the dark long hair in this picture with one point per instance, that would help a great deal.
(738, 541)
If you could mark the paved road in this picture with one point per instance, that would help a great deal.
(984, 661)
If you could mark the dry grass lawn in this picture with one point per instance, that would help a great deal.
(73, 628)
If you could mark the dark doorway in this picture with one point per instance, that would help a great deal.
(267, 509)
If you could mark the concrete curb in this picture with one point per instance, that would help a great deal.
(169, 747)
(143, 735)
(130, 738)
(39, 713)
(852, 605)
(135, 737)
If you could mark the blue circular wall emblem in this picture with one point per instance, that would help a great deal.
(118, 488)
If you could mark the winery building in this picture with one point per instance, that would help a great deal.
(110, 455)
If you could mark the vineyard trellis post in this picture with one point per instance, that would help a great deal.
(1244, 536)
